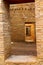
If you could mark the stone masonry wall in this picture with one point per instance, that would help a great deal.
(39, 32)
(39, 29)
(4, 32)
(19, 14)
(6, 29)
(39, 26)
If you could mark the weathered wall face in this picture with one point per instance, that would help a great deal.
(4, 32)
(39, 34)
(39, 27)
(6, 29)
(19, 14)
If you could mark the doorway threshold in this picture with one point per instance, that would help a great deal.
(21, 59)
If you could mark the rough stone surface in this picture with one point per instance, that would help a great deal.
(4, 34)
(39, 27)
(19, 14)
(39, 33)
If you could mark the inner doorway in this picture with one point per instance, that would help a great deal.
(23, 29)
(29, 32)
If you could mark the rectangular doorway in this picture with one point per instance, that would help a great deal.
(29, 32)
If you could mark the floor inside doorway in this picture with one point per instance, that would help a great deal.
(22, 52)
(24, 48)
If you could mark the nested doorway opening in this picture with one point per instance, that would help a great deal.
(23, 31)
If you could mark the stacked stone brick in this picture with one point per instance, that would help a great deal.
(39, 34)
(5, 35)
(39, 29)
(19, 14)
(4, 32)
